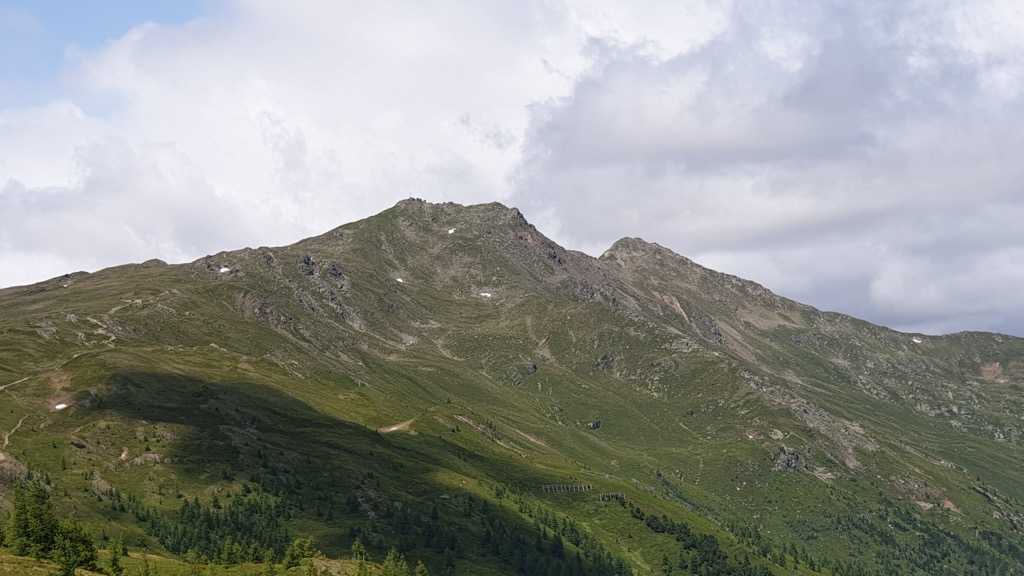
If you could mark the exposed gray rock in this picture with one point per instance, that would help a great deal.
(787, 459)
(307, 265)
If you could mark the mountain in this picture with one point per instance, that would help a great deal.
(449, 381)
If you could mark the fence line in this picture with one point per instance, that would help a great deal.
(559, 488)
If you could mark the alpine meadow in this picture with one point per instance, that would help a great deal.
(441, 389)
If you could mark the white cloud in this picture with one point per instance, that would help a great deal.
(846, 155)
(843, 155)
(290, 119)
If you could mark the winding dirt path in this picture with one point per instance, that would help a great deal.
(6, 386)
(7, 435)
(102, 330)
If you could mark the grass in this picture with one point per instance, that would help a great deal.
(272, 376)
(133, 564)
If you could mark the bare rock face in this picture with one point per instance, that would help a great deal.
(788, 460)
(307, 266)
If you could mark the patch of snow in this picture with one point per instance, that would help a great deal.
(485, 294)
(916, 340)
(224, 269)
(399, 280)
(451, 230)
(60, 406)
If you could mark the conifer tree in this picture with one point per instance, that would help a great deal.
(117, 550)
(299, 549)
(359, 551)
(194, 562)
(16, 528)
(227, 553)
(394, 565)
(74, 547)
(32, 526)
(268, 563)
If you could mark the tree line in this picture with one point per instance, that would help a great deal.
(33, 529)
(249, 526)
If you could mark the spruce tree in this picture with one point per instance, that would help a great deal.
(74, 547)
(194, 562)
(16, 529)
(359, 551)
(227, 552)
(114, 567)
(299, 549)
(269, 568)
(394, 565)
(65, 557)
(32, 526)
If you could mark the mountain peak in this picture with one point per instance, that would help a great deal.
(633, 244)
(478, 348)
(631, 251)
(488, 212)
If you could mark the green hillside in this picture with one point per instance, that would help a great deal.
(447, 381)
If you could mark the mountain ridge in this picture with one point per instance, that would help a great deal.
(482, 352)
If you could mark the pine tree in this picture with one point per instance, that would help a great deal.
(194, 562)
(557, 547)
(359, 551)
(421, 569)
(268, 563)
(299, 549)
(394, 565)
(114, 567)
(74, 547)
(16, 529)
(32, 526)
(65, 557)
(227, 553)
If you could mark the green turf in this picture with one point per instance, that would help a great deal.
(310, 373)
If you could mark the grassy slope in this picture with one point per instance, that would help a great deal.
(304, 358)
(133, 564)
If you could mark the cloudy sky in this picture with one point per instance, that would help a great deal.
(865, 157)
